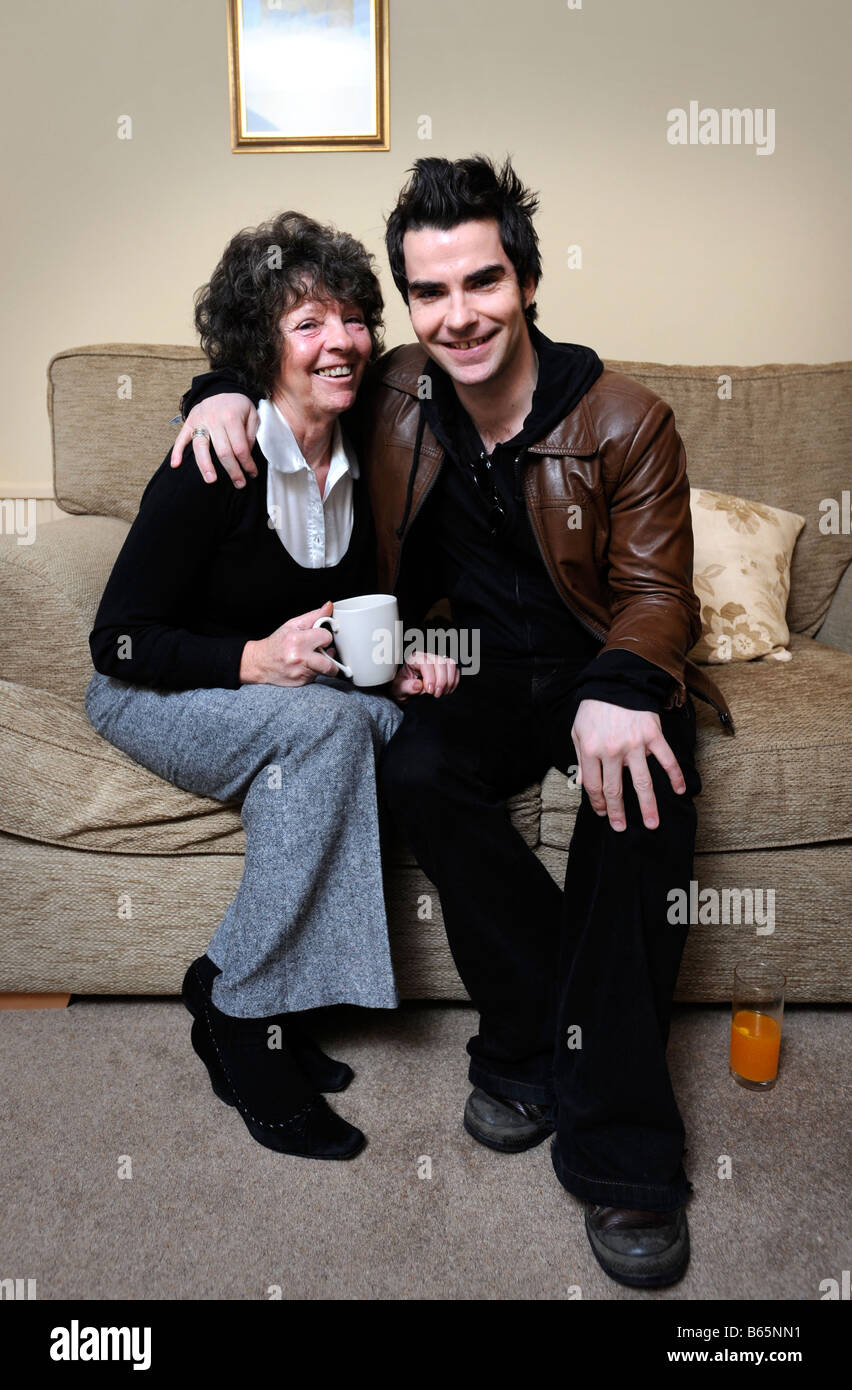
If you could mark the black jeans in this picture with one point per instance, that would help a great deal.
(573, 988)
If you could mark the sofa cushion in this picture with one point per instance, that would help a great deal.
(783, 780)
(778, 432)
(66, 785)
(110, 406)
(836, 631)
(741, 574)
(49, 594)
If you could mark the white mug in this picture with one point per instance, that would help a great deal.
(364, 630)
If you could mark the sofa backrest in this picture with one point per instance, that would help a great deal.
(784, 437)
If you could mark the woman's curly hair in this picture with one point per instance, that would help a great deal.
(264, 272)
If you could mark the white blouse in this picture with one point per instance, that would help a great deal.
(314, 529)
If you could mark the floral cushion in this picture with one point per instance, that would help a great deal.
(741, 575)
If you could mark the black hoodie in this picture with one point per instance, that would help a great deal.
(474, 538)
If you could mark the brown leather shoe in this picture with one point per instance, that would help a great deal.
(644, 1249)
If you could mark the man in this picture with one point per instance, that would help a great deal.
(546, 498)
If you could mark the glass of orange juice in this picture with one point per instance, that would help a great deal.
(756, 1017)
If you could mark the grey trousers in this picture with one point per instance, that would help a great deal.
(307, 927)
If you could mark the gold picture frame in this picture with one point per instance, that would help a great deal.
(337, 54)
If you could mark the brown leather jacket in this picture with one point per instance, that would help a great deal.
(626, 573)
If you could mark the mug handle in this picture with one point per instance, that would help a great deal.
(333, 627)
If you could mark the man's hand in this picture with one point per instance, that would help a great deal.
(423, 674)
(232, 421)
(291, 654)
(608, 738)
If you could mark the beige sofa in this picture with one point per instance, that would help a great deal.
(113, 879)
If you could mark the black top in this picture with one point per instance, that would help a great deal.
(202, 571)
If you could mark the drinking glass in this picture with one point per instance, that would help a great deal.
(756, 1017)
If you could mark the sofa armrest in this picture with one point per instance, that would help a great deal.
(49, 594)
(836, 631)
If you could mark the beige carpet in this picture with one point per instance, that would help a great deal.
(208, 1213)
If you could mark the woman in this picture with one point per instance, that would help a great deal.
(209, 671)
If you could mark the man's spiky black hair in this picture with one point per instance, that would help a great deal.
(443, 192)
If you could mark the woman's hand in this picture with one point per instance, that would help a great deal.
(423, 674)
(232, 421)
(291, 654)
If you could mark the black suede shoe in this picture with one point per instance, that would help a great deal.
(197, 982)
(323, 1072)
(510, 1126)
(644, 1249)
(202, 1044)
(276, 1101)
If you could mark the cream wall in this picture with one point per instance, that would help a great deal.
(690, 254)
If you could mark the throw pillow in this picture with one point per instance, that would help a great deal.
(741, 575)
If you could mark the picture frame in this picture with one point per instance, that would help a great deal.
(309, 76)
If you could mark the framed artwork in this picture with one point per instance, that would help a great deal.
(309, 75)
